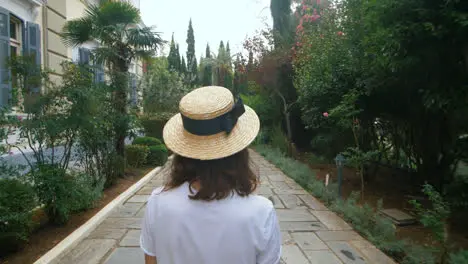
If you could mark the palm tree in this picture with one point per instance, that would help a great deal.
(117, 27)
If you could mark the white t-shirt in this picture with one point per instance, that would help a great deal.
(235, 230)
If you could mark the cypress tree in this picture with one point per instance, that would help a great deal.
(191, 59)
(228, 56)
(183, 66)
(282, 21)
(208, 68)
(172, 57)
(178, 61)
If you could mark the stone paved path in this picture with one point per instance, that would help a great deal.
(311, 233)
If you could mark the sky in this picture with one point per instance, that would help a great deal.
(213, 21)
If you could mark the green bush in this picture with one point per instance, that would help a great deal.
(16, 204)
(147, 141)
(136, 155)
(157, 155)
(265, 108)
(62, 193)
(279, 139)
(460, 257)
(154, 124)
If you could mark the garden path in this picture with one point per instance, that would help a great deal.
(311, 233)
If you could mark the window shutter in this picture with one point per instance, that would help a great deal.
(99, 73)
(85, 55)
(33, 36)
(33, 46)
(5, 82)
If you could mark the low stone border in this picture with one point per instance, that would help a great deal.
(53, 255)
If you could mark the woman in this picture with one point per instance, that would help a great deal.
(206, 213)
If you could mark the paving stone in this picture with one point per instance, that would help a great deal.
(276, 202)
(141, 213)
(145, 190)
(376, 256)
(131, 239)
(322, 257)
(293, 255)
(122, 223)
(286, 238)
(290, 191)
(89, 251)
(291, 201)
(281, 185)
(295, 215)
(293, 184)
(399, 217)
(361, 244)
(138, 199)
(312, 202)
(127, 210)
(107, 233)
(276, 176)
(126, 255)
(346, 252)
(308, 241)
(263, 190)
(301, 226)
(338, 235)
(331, 220)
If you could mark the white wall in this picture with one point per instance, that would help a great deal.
(23, 9)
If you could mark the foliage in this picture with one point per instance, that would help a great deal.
(173, 57)
(279, 140)
(273, 76)
(435, 218)
(157, 155)
(207, 74)
(95, 118)
(456, 192)
(460, 257)
(146, 141)
(63, 194)
(136, 155)
(116, 25)
(192, 71)
(378, 230)
(361, 55)
(265, 109)
(153, 124)
(282, 21)
(17, 200)
(163, 89)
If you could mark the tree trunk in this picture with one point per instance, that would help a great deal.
(120, 82)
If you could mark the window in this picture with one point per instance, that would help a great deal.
(16, 29)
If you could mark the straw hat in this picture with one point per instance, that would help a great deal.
(211, 125)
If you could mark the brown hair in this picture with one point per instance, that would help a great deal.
(218, 178)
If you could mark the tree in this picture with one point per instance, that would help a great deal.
(240, 77)
(162, 88)
(250, 63)
(183, 66)
(223, 72)
(282, 21)
(172, 57)
(178, 60)
(192, 72)
(207, 76)
(228, 56)
(116, 26)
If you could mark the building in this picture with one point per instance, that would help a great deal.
(33, 27)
